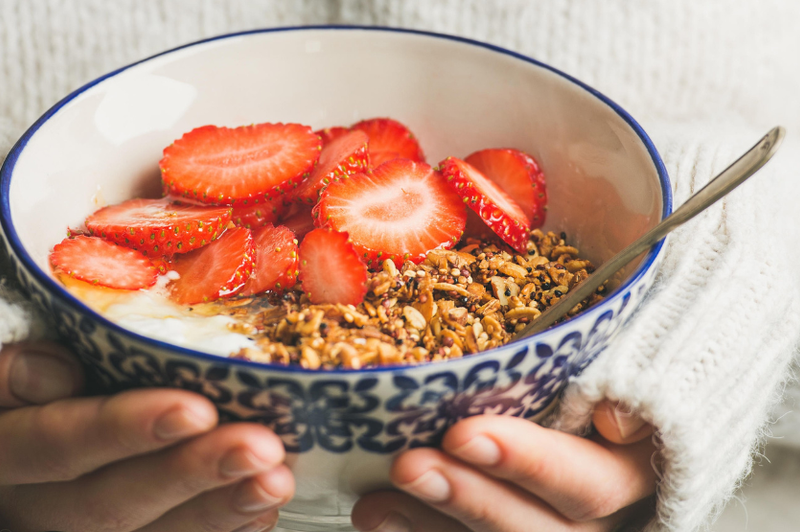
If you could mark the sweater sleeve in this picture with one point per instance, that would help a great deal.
(19, 318)
(708, 354)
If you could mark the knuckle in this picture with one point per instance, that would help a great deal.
(107, 518)
(529, 468)
(479, 515)
(192, 469)
(592, 507)
(90, 513)
(49, 428)
(116, 427)
(476, 512)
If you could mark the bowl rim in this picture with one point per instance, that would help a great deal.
(57, 290)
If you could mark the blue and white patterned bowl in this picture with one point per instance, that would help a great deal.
(607, 185)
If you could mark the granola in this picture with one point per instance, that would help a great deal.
(455, 303)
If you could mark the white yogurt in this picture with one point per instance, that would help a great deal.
(150, 313)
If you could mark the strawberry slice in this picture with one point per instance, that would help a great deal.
(237, 166)
(389, 139)
(495, 207)
(330, 269)
(276, 264)
(519, 175)
(220, 269)
(103, 263)
(340, 158)
(476, 228)
(400, 211)
(162, 264)
(328, 134)
(258, 214)
(157, 226)
(298, 218)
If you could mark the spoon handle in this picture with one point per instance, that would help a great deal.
(730, 178)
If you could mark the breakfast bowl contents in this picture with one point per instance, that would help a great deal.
(371, 325)
(412, 286)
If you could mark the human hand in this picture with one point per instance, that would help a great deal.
(145, 460)
(505, 474)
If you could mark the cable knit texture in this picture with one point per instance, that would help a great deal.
(708, 354)
(702, 358)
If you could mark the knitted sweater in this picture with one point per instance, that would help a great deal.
(708, 354)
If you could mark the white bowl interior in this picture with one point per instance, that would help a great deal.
(104, 145)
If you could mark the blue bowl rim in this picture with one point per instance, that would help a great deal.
(6, 171)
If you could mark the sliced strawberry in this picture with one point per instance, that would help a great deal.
(103, 263)
(330, 269)
(494, 206)
(298, 218)
(400, 211)
(162, 264)
(389, 139)
(220, 269)
(330, 133)
(73, 231)
(477, 228)
(276, 263)
(236, 166)
(259, 214)
(157, 226)
(340, 158)
(519, 175)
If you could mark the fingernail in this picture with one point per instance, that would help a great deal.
(480, 450)
(430, 486)
(394, 522)
(627, 423)
(252, 498)
(182, 422)
(240, 463)
(38, 378)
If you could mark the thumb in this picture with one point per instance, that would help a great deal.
(37, 373)
(618, 425)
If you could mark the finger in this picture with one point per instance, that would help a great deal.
(481, 502)
(37, 373)
(580, 478)
(132, 493)
(233, 507)
(68, 438)
(618, 425)
(391, 511)
(262, 524)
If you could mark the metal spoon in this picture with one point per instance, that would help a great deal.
(730, 178)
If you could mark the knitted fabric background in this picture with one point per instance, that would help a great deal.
(709, 352)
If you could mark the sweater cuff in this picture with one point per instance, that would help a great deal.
(707, 355)
(20, 319)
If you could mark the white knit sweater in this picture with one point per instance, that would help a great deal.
(708, 354)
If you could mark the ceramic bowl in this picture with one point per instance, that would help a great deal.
(607, 185)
